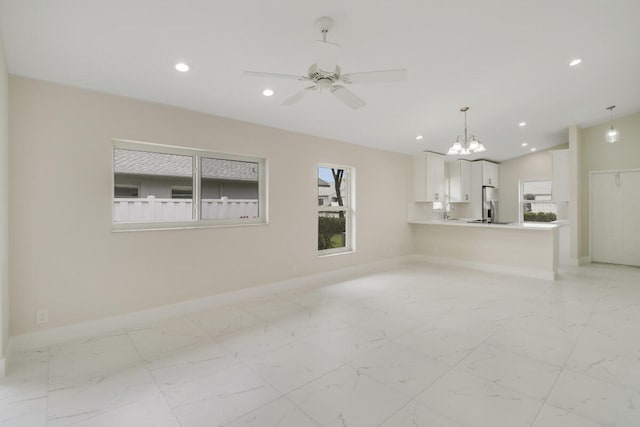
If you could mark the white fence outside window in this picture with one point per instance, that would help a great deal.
(153, 209)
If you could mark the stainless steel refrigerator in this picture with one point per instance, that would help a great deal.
(489, 204)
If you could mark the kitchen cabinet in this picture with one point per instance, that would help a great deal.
(428, 177)
(482, 173)
(459, 173)
(489, 174)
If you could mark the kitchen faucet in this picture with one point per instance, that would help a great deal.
(446, 215)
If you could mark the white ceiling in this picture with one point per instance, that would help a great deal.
(506, 59)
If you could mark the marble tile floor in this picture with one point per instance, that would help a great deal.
(416, 345)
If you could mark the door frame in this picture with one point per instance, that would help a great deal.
(591, 174)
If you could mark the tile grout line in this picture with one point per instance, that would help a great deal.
(146, 366)
(564, 368)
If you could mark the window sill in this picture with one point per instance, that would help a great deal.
(332, 254)
(122, 228)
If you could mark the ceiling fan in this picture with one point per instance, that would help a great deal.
(331, 81)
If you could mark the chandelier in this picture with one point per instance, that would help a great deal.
(467, 143)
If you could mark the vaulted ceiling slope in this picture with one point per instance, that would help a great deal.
(506, 59)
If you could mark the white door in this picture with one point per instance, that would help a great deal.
(615, 220)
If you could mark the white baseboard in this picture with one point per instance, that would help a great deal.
(39, 339)
(584, 260)
(493, 268)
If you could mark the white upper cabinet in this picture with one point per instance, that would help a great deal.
(459, 173)
(428, 177)
(489, 174)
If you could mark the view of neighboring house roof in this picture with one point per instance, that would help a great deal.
(323, 183)
(161, 164)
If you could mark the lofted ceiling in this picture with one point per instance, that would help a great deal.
(506, 59)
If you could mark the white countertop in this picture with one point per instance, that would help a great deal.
(463, 223)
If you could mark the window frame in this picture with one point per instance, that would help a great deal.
(522, 201)
(349, 209)
(196, 155)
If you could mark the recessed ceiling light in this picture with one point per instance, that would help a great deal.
(522, 124)
(524, 144)
(575, 62)
(534, 149)
(267, 92)
(182, 67)
(419, 137)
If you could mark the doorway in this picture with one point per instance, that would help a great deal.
(614, 217)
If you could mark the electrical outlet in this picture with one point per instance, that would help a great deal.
(42, 316)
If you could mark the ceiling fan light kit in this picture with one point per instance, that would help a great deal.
(467, 143)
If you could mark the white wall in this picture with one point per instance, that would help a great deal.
(66, 259)
(4, 206)
(597, 154)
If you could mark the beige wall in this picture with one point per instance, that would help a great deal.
(532, 166)
(4, 204)
(597, 154)
(65, 258)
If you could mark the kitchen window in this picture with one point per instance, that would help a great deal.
(184, 188)
(536, 202)
(336, 226)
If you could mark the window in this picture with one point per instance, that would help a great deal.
(181, 187)
(182, 192)
(536, 204)
(125, 190)
(336, 216)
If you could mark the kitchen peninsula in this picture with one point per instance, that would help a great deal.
(523, 249)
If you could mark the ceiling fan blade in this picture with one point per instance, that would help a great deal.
(385, 76)
(348, 97)
(297, 97)
(294, 99)
(275, 75)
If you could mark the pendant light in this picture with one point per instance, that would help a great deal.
(467, 143)
(613, 135)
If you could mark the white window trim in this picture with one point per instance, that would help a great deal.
(522, 201)
(196, 222)
(349, 210)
